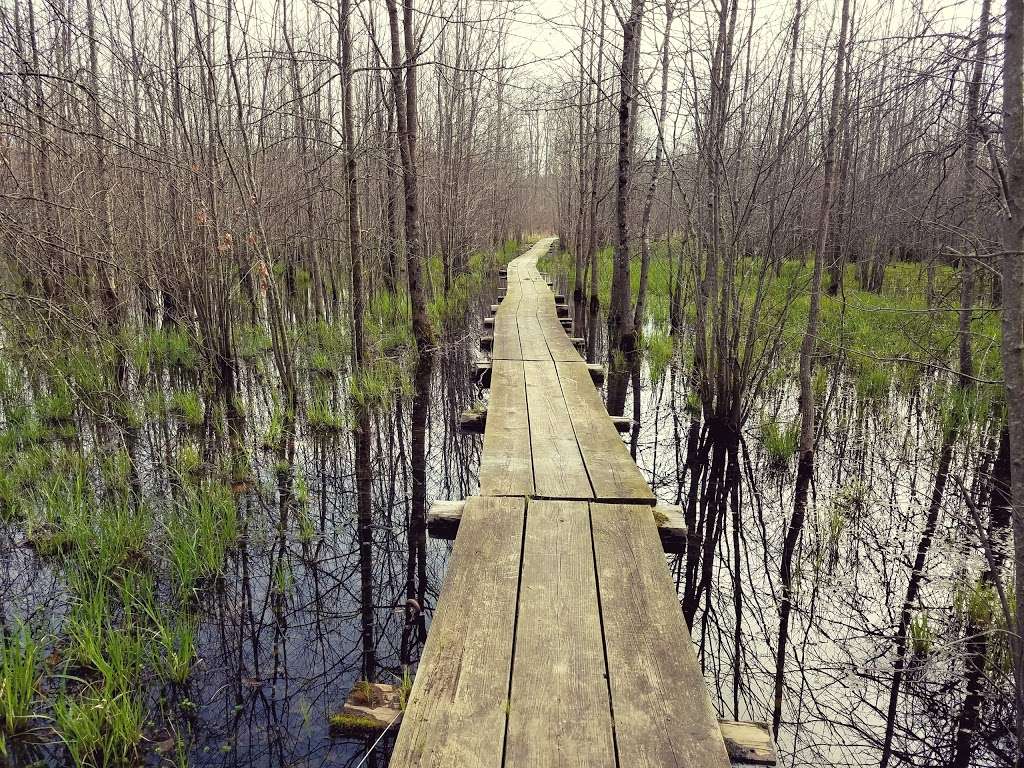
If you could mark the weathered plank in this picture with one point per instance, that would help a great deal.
(506, 333)
(482, 373)
(443, 523)
(473, 421)
(482, 376)
(748, 743)
(456, 714)
(506, 467)
(672, 529)
(558, 468)
(558, 710)
(444, 517)
(621, 423)
(531, 335)
(663, 714)
(613, 473)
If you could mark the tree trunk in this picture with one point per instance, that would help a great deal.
(407, 116)
(805, 467)
(1012, 279)
(969, 250)
(363, 436)
(621, 331)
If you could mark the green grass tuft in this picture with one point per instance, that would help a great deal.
(779, 442)
(188, 405)
(20, 657)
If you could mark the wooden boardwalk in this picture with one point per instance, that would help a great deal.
(558, 638)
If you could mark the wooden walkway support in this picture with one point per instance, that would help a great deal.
(558, 638)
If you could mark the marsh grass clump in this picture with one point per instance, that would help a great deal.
(100, 535)
(660, 349)
(982, 605)
(321, 363)
(377, 385)
(252, 341)
(779, 442)
(447, 309)
(20, 661)
(326, 346)
(22, 473)
(128, 413)
(155, 402)
(872, 382)
(188, 460)
(100, 726)
(203, 528)
(173, 650)
(922, 636)
(963, 408)
(96, 647)
(405, 688)
(693, 404)
(275, 429)
(389, 321)
(57, 407)
(188, 405)
(172, 349)
(89, 371)
(851, 500)
(322, 417)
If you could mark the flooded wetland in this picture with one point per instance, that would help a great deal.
(180, 601)
(259, 262)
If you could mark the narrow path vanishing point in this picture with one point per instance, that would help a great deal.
(558, 638)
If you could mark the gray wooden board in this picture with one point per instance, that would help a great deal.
(456, 714)
(559, 344)
(506, 332)
(506, 466)
(663, 714)
(614, 475)
(531, 334)
(558, 468)
(559, 708)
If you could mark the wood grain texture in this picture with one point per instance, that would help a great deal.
(663, 714)
(506, 466)
(559, 708)
(506, 344)
(531, 335)
(558, 469)
(748, 743)
(456, 714)
(613, 473)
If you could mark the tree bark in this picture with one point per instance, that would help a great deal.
(621, 331)
(969, 250)
(407, 119)
(1012, 278)
(362, 433)
(805, 467)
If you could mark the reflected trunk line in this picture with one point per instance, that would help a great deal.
(913, 586)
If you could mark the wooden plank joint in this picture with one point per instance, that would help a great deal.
(444, 516)
(473, 421)
(748, 743)
(482, 373)
(622, 423)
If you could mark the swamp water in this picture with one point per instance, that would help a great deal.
(277, 633)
